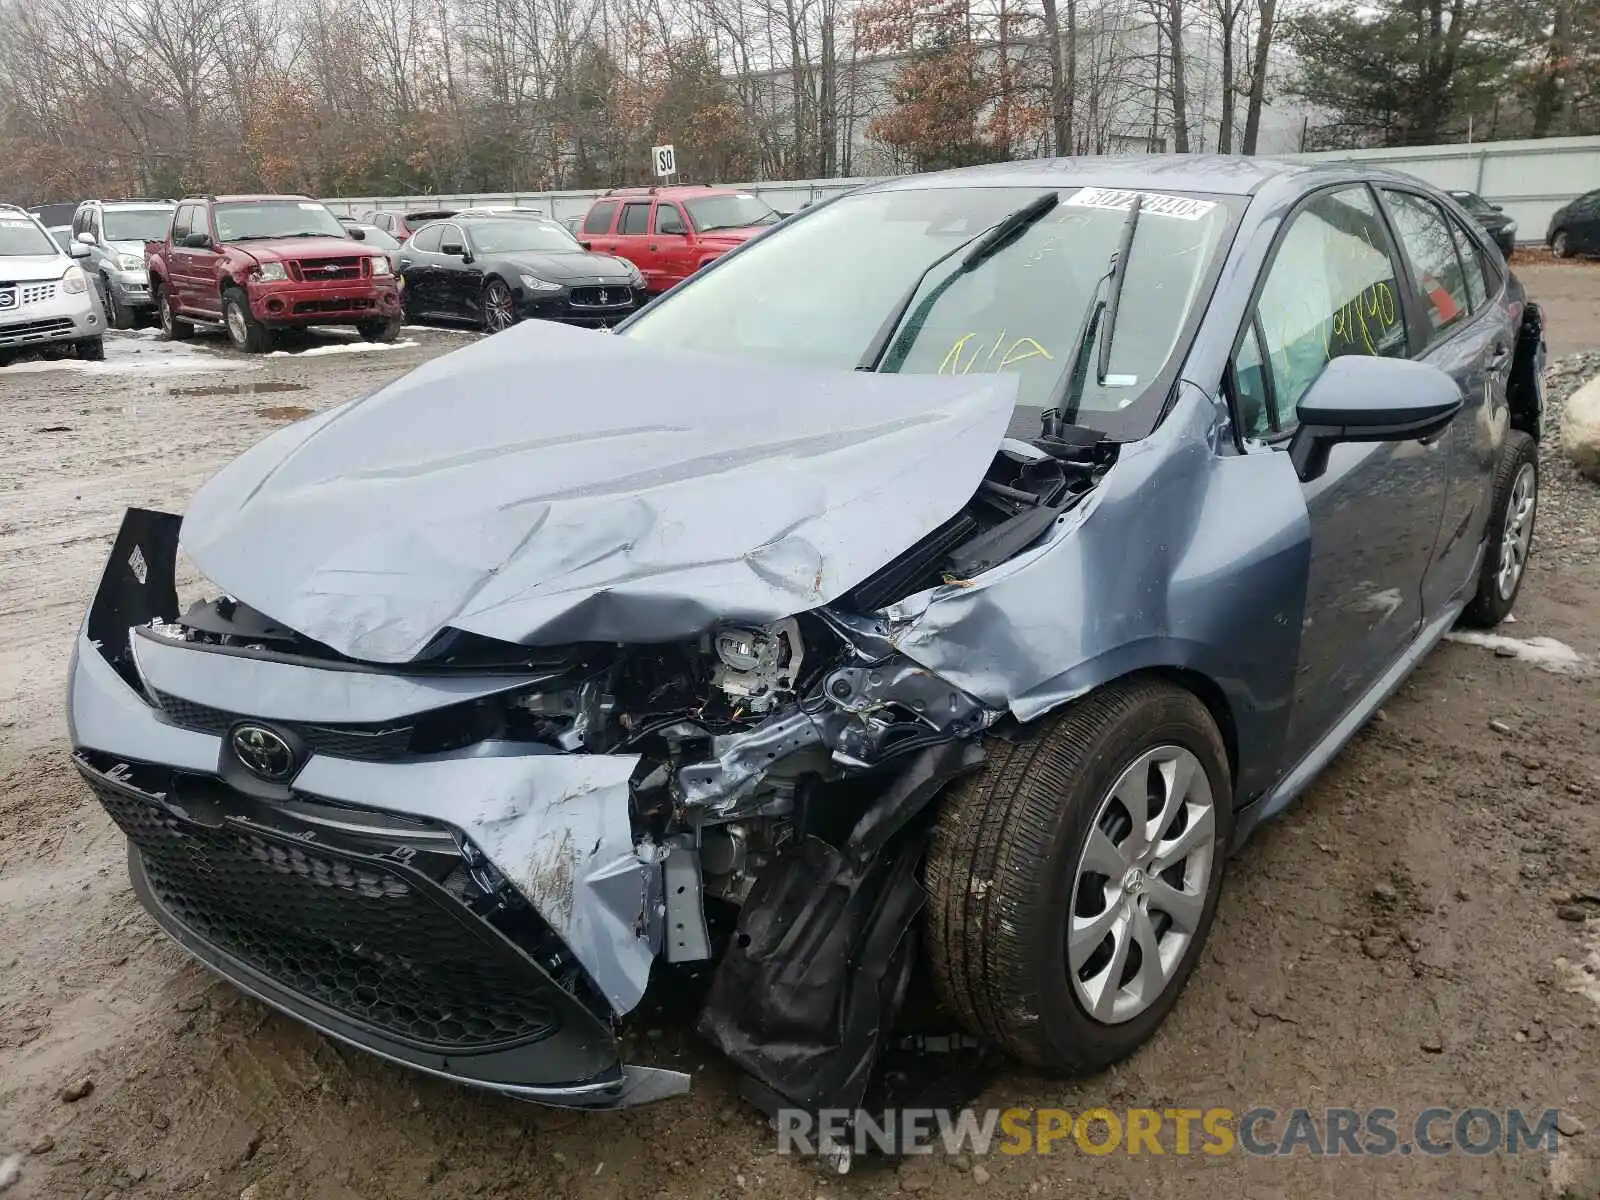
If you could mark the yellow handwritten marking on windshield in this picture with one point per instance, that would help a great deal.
(1018, 350)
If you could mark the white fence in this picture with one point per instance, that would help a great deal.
(1530, 178)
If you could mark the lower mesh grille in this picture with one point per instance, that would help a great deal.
(353, 932)
(369, 743)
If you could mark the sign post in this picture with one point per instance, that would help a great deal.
(665, 160)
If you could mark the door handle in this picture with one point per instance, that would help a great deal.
(652, 245)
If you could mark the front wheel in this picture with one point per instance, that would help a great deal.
(379, 331)
(1559, 245)
(244, 331)
(1510, 534)
(92, 349)
(499, 308)
(173, 327)
(118, 314)
(1073, 880)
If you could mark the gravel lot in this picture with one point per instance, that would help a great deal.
(1422, 929)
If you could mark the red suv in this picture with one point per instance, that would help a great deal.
(669, 233)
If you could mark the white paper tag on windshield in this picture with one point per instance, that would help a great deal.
(1155, 203)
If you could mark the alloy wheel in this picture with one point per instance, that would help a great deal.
(236, 326)
(1559, 244)
(498, 311)
(164, 311)
(1517, 533)
(1139, 892)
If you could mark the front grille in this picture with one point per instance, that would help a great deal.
(359, 304)
(590, 297)
(327, 270)
(33, 331)
(367, 742)
(380, 943)
(29, 293)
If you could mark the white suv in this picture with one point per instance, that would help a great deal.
(46, 300)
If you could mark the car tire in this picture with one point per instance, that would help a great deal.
(118, 315)
(380, 331)
(499, 307)
(1559, 245)
(92, 349)
(1510, 533)
(244, 331)
(1011, 863)
(173, 327)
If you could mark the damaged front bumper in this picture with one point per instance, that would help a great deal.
(432, 911)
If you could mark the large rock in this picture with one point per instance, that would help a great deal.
(1580, 428)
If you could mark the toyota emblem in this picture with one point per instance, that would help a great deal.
(263, 752)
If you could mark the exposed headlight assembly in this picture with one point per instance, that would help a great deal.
(270, 272)
(380, 266)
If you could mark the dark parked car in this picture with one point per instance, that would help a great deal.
(1502, 230)
(377, 239)
(401, 225)
(1575, 227)
(954, 576)
(496, 271)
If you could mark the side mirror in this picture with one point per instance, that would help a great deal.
(359, 235)
(586, 245)
(1359, 398)
(1498, 207)
(453, 248)
(77, 250)
(86, 238)
(196, 241)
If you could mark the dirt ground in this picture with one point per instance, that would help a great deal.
(1422, 929)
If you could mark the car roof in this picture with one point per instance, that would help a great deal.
(673, 189)
(1221, 174)
(247, 196)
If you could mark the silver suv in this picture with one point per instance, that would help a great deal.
(115, 232)
(46, 299)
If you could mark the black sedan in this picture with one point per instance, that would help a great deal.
(496, 271)
(1502, 230)
(1575, 227)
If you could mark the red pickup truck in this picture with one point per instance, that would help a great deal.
(669, 233)
(259, 264)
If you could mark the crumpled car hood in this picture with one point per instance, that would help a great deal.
(551, 485)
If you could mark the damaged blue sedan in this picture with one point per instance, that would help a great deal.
(945, 581)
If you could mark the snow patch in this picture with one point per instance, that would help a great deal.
(133, 364)
(1542, 652)
(1582, 978)
(344, 348)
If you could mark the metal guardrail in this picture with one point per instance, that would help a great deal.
(1531, 178)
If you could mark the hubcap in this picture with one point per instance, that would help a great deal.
(497, 307)
(1518, 532)
(1140, 887)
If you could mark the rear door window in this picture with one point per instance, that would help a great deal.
(1441, 281)
(427, 239)
(1477, 273)
(599, 218)
(635, 219)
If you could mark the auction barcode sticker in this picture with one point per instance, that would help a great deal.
(1185, 208)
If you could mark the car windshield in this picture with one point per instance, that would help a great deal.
(246, 220)
(737, 210)
(18, 235)
(377, 237)
(1018, 311)
(1472, 202)
(137, 224)
(512, 235)
(62, 235)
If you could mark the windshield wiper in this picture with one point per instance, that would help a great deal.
(1071, 386)
(979, 247)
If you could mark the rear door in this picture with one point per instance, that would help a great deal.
(632, 241)
(1470, 338)
(1335, 286)
(419, 263)
(596, 231)
(672, 246)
